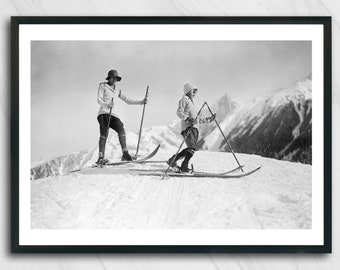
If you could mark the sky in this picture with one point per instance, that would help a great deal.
(65, 76)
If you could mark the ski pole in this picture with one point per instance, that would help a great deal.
(231, 149)
(107, 131)
(141, 122)
(179, 148)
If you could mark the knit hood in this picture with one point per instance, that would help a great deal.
(188, 87)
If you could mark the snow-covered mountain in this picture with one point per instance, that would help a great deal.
(168, 136)
(275, 125)
(222, 107)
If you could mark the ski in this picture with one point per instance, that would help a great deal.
(152, 154)
(202, 174)
(233, 170)
(80, 169)
(152, 161)
(177, 170)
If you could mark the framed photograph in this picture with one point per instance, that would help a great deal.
(171, 135)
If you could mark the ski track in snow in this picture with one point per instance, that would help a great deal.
(276, 197)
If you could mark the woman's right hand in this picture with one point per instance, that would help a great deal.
(190, 120)
(110, 105)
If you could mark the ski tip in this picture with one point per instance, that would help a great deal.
(156, 150)
(258, 168)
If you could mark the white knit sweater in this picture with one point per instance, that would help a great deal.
(186, 108)
(106, 93)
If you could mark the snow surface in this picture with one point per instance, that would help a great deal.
(279, 196)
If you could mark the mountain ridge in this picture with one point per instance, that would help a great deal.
(272, 125)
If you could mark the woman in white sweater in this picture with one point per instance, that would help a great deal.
(187, 112)
(107, 96)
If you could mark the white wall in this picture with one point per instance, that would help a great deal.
(174, 8)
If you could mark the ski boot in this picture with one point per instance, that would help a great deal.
(126, 156)
(184, 167)
(102, 161)
(173, 162)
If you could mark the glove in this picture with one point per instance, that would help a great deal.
(190, 120)
(211, 118)
(144, 101)
(110, 105)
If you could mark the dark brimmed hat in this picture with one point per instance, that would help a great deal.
(113, 74)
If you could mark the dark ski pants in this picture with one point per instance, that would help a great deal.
(191, 138)
(116, 125)
(191, 142)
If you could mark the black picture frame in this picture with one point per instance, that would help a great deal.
(16, 247)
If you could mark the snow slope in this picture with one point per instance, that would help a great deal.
(276, 197)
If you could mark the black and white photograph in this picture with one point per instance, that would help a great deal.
(171, 135)
(261, 98)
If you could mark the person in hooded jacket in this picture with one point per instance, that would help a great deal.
(187, 112)
(107, 96)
